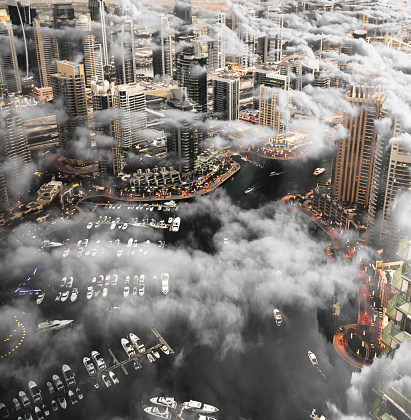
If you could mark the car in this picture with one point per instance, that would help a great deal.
(4, 412)
(106, 380)
(63, 403)
(39, 413)
(113, 377)
(278, 318)
(40, 297)
(58, 383)
(54, 405)
(90, 291)
(50, 388)
(73, 397)
(69, 282)
(164, 283)
(98, 360)
(126, 291)
(64, 296)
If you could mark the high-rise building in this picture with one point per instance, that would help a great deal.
(355, 153)
(274, 108)
(63, 19)
(15, 155)
(129, 103)
(217, 47)
(9, 69)
(69, 91)
(272, 42)
(226, 97)
(21, 15)
(391, 175)
(246, 30)
(47, 52)
(162, 49)
(183, 10)
(123, 51)
(98, 12)
(192, 74)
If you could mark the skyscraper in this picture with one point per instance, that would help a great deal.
(123, 51)
(246, 30)
(217, 47)
(226, 97)
(98, 12)
(274, 107)
(69, 91)
(20, 14)
(63, 19)
(162, 49)
(192, 74)
(355, 153)
(9, 69)
(183, 10)
(47, 52)
(272, 42)
(129, 103)
(15, 155)
(391, 175)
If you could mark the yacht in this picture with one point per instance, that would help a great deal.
(318, 171)
(248, 190)
(274, 173)
(137, 343)
(165, 349)
(40, 297)
(176, 224)
(165, 401)
(98, 360)
(155, 411)
(89, 225)
(58, 383)
(278, 318)
(88, 364)
(170, 203)
(68, 375)
(53, 325)
(24, 399)
(74, 294)
(312, 358)
(128, 348)
(199, 407)
(164, 283)
(17, 405)
(35, 392)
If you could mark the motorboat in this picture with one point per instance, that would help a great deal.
(45, 409)
(63, 281)
(73, 397)
(69, 282)
(68, 375)
(105, 292)
(130, 243)
(113, 225)
(155, 411)
(40, 297)
(50, 388)
(17, 405)
(176, 224)
(156, 354)
(225, 241)
(35, 392)
(107, 280)
(53, 325)
(74, 294)
(199, 407)
(248, 190)
(90, 291)
(58, 383)
(312, 358)
(126, 291)
(89, 225)
(165, 283)
(171, 203)
(135, 291)
(278, 318)
(88, 364)
(165, 401)
(64, 296)
(318, 171)
(54, 405)
(58, 296)
(165, 349)
(141, 287)
(128, 348)
(24, 399)
(151, 358)
(98, 360)
(119, 253)
(39, 413)
(62, 401)
(106, 380)
(113, 377)
(274, 173)
(136, 343)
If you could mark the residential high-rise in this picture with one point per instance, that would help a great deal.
(183, 10)
(162, 49)
(226, 97)
(123, 51)
(355, 153)
(272, 42)
(192, 74)
(246, 30)
(274, 108)
(63, 19)
(217, 47)
(47, 52)
(21, 15)
(391, 176)
(94, 8)
(9, 69)
(98, 12)
(69, 91)
(129, 103)
(15, 155)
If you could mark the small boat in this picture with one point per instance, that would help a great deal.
(199, 407)
(164, 283)
(278, 318)
(312, 358)
(68, 375)
(105, 292)
(165, 349)
(274, 173)
(74, 294)
(66, 252)
(136, 343)
(318, 171)
(248, 190)
(151, 358)
(35, 392)
(17, 405)
(24, 399)
(225, 241)
(58, 383)
(128, 348)
(176, 224)
(40, 297)
(165, 401)
(53, 325)
(155, 411)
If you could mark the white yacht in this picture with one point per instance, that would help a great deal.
(155, 411)
(128, 348)
(68, 375)
(40, 297)
(171, 203)
(98, 360)
(176, 224)
(165, 401)
(318, 171)
(199, 407)
(35, 392)
(312, 358)
(74, 294)
(53, 325)
(137, 343)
